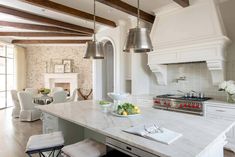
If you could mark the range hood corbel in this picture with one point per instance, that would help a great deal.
(160, 72)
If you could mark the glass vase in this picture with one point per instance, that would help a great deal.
(230, 98)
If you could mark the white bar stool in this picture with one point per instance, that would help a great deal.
(85, 148)
(39, 144)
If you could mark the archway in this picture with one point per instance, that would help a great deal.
(108, 70)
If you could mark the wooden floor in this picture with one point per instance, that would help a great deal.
(14, 135)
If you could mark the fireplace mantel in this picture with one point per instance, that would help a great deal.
(51, 78)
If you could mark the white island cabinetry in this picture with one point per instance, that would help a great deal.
(50, 123)
(226, 111)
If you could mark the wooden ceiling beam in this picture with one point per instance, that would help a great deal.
(41, 34)
(69, 11)
(183, 3)
(49, 41)
(42, 19)
(37, 27)
(129, 9)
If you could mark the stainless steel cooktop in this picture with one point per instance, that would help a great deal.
(192, 105)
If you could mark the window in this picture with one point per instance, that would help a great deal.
(6, 75)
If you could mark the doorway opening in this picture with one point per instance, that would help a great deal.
(108, 70)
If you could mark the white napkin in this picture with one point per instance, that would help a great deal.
(162, 135)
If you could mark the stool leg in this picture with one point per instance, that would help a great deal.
(29, 154)
(51, 153)
(58, 153)
(40, 153)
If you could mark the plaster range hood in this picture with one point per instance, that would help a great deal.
(192, 34)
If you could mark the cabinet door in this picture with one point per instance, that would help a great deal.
(225, 113)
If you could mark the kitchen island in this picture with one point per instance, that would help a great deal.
(202, 137)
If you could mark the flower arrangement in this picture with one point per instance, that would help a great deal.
(229, 88)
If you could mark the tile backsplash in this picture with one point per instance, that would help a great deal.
(198, 78)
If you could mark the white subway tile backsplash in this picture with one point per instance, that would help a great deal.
(198, 78)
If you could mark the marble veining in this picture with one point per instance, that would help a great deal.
(198, 132)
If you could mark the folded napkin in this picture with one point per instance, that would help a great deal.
(153, 132)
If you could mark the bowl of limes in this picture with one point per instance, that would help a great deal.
(105, 105)
(44, 91)
(127, 110)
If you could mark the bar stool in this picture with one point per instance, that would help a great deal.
(85, 148)
(39, 144)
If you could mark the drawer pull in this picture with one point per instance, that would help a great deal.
(128, 148)
(220, 111)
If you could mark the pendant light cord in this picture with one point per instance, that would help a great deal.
(138, 13)
(94, 21)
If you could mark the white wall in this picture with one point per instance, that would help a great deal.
(20, 67)
(198, 77)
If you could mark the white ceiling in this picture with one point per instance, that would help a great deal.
(84, 5)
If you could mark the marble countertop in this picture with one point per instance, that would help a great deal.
(219, 102)
(198, 132)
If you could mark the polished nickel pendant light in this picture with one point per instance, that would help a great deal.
(138, 39)
(95, 49)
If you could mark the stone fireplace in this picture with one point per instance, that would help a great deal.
(68, 81)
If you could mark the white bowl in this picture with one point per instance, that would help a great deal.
(106, 107)
(118, 96)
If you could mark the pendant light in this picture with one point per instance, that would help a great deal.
(138, 39)
(95, 49)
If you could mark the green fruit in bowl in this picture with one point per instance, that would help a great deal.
(44, 90)
(103, 102)
(127, 109)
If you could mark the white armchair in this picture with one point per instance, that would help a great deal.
(28, 111)
(74, 97)
(16, 103)
(59, 97)
(56, 89)
(33, 91)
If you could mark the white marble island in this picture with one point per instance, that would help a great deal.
(202, 137)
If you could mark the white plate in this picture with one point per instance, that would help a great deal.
(131, 115)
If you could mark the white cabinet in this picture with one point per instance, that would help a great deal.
(222, 111)
(50, 123)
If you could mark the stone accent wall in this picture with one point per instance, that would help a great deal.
(38, 56)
